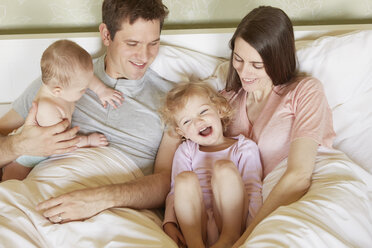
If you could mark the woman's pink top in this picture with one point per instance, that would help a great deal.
(295, 111)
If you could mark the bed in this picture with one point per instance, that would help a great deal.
(336, 212)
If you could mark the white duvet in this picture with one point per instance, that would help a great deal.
(22, 226)
(335, 212)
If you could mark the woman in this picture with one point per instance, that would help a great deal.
(285, 113)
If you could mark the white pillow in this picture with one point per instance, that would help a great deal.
(178, 64)
(344, 65)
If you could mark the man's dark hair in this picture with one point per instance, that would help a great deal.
(115, 12)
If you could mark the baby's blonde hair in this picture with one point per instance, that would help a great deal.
(177, 98)
(60, 61)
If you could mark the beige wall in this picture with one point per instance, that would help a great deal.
(23, 16)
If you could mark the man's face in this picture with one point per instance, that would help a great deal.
(133, 49)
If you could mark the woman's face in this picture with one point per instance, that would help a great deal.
(250, 67)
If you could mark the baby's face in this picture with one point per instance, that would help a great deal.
(78, 85)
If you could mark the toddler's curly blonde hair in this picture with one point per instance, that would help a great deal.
(177, 98)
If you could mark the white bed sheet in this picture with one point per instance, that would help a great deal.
(335, 212)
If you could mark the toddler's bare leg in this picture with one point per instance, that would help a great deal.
(15, 171)
(229, 196)
(189, 208)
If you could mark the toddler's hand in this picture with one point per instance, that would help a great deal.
(97, 139)
(174, 233)
(111, 96)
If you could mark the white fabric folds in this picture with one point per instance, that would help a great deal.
(22, 226)
(335, 212)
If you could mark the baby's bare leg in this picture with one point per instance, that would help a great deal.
(15, 170)
(229, 196)
(189, 208)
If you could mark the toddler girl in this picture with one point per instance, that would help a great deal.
(216, 180)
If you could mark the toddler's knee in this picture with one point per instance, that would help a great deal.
(186, 179)
(223, 168)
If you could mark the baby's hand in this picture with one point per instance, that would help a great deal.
(97, 139)
(111, 96)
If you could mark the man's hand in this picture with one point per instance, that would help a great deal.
(45, 141)
(76, 205)
(174, 233)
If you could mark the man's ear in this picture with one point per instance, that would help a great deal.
(105, 34)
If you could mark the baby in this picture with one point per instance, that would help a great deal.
(66, 72)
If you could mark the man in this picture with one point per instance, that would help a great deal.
(131, 33)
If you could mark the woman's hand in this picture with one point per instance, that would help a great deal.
(175, 234)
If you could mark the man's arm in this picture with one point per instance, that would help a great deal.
(8, 123)
(7, 153)
(33, 139)
(145, 192)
